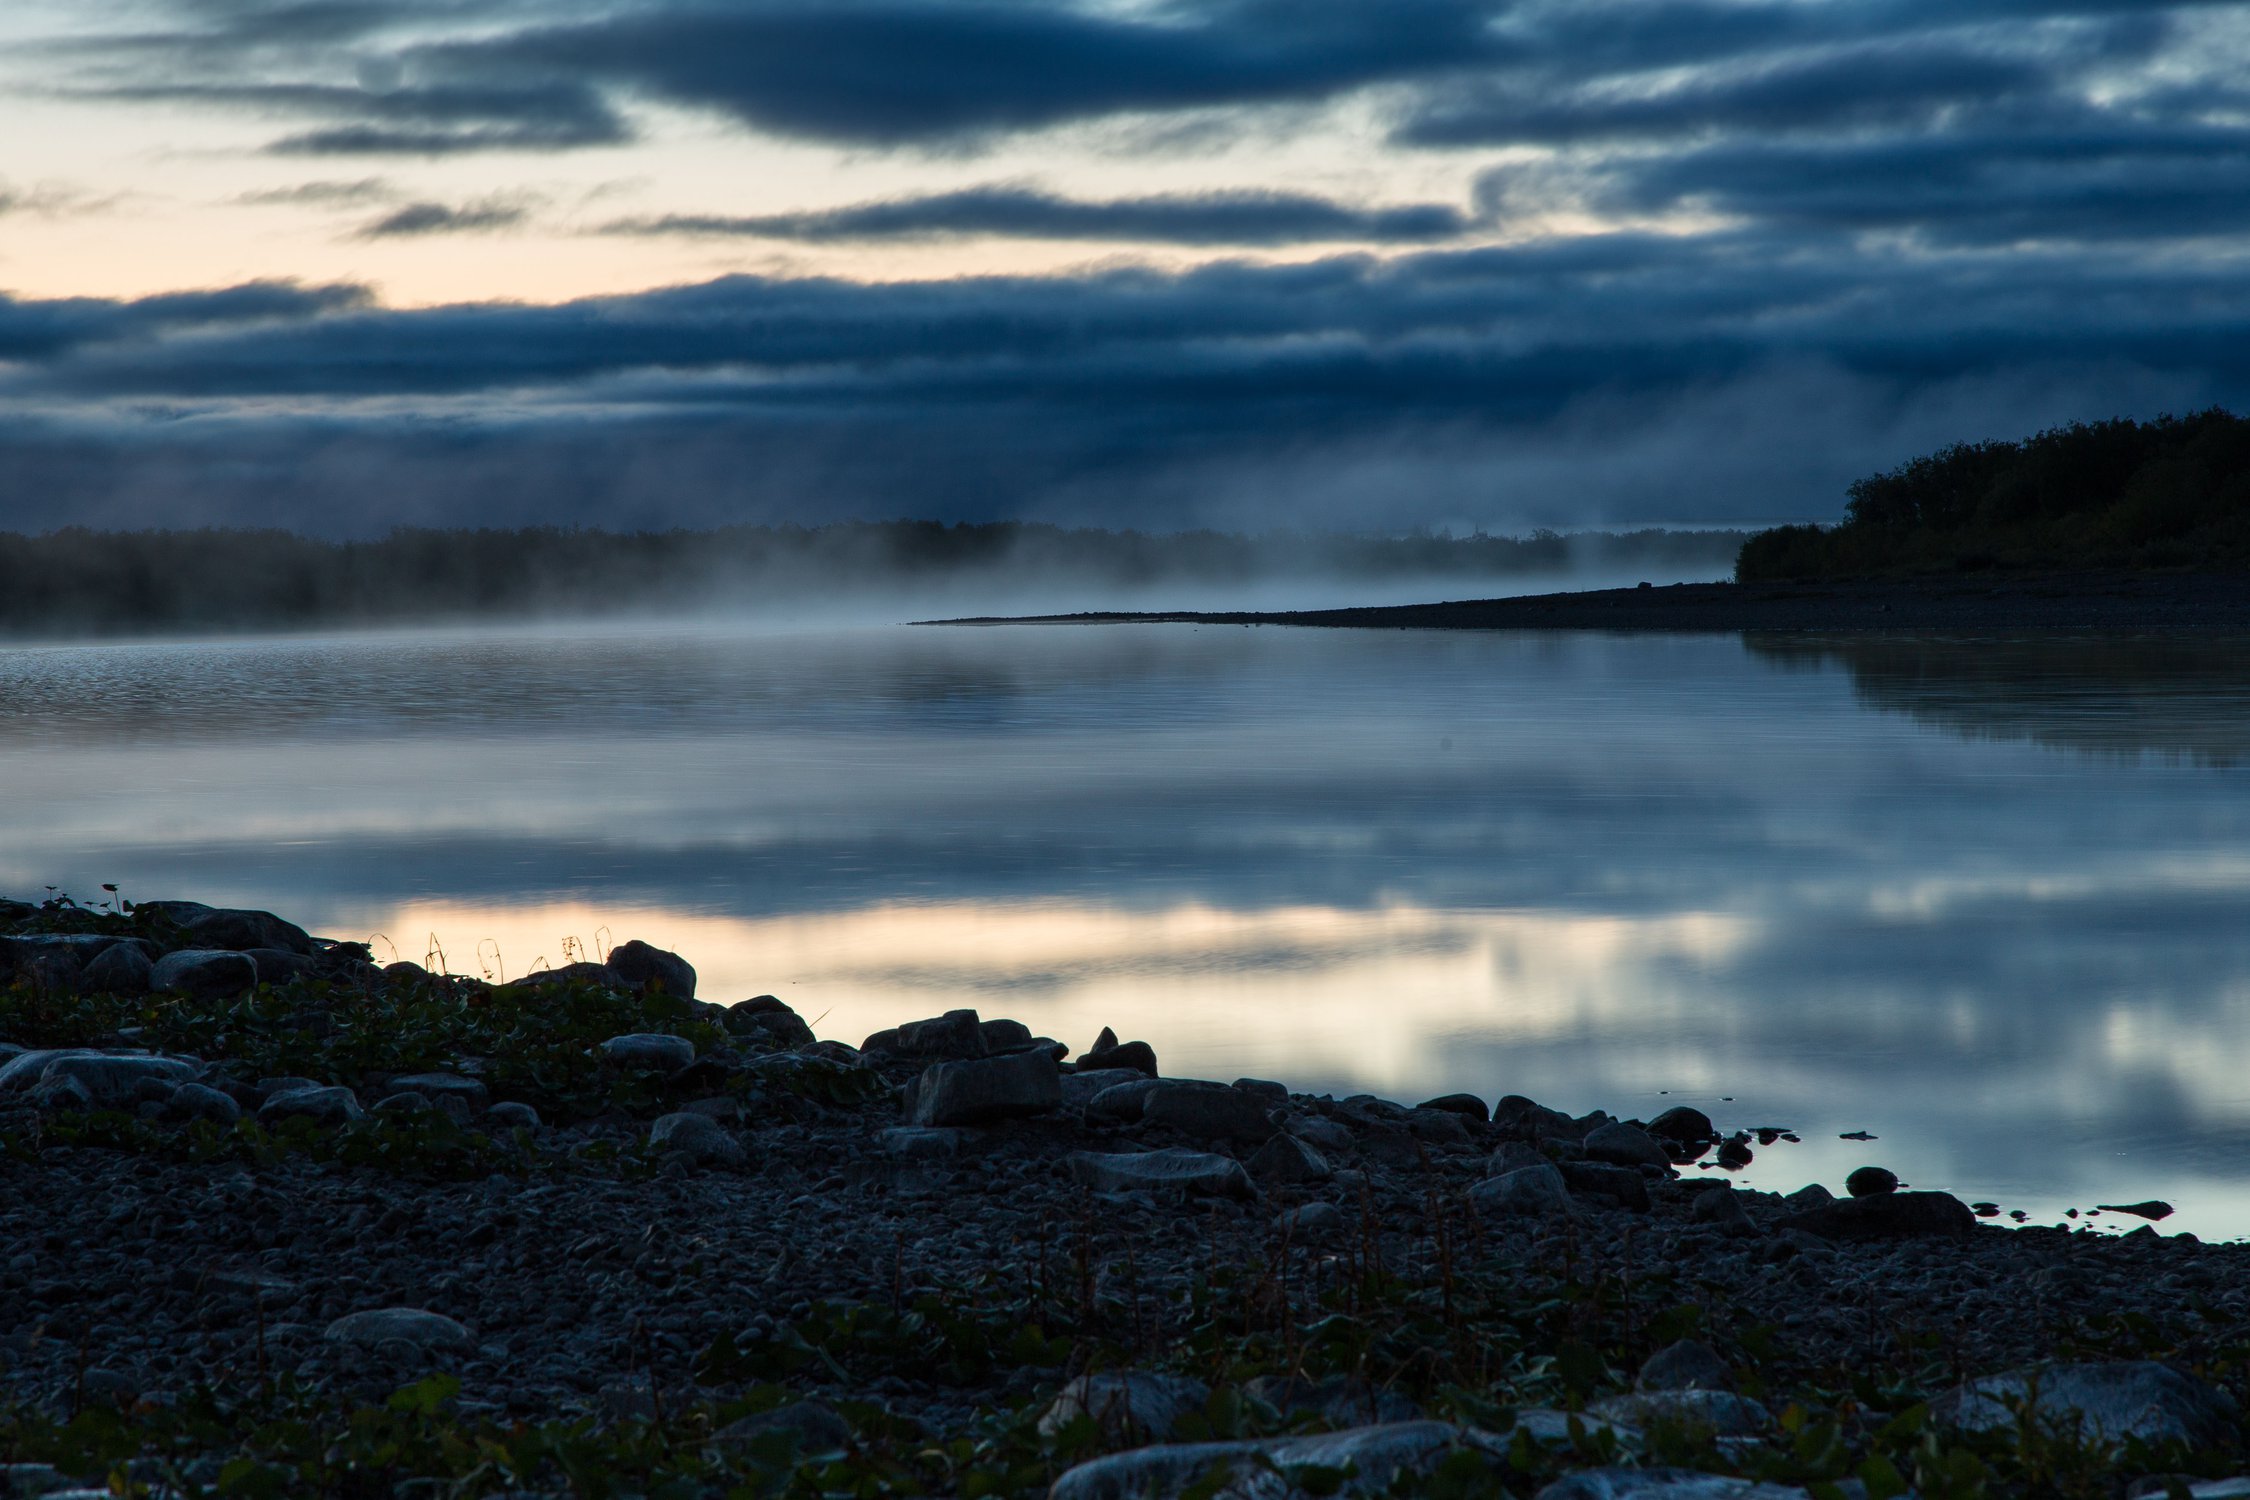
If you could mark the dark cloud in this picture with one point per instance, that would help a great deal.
(45, 330)
(440, 218)
(1236, 218)
(918, 72)
(409, 120)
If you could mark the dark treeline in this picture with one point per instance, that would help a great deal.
(78, 582)
(2172, 493)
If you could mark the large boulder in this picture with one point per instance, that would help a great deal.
(2105, 1401)
(1209, 1111)
(1885, 1216)
(697, 1137)
(1362, 1461)
(1624, 1145)
(115, 1082)
(1122, 1103)
(235, 929)
(1140, 1057)
(766, 1019)
(1285, 1161)
(1170, 1171)
(979, 1091)
(1685, 1366)
(646, 968)
(1527, 1192)
(1129, 1407)
(957, 1034)
(204, 973)
(119, 969)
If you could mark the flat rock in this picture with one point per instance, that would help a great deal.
(816, 1429)
(1371, 1460)
(1624, 1186)
(109, 1079)
(1081, 1086)
(920, 1142)
(1885, 1216)
(426, 1331)
(1122, 1101)
(649, 1051)
(2113, 1400)
(698, 1137)
(1526, 1192)
(204, 973)
(1127, 1407)
(1173, 1170)
(980, 1091)
(1339, 1401)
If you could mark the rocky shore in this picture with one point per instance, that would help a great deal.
(279, 1221)
(1982, 603)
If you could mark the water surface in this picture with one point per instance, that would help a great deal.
(1985, 899)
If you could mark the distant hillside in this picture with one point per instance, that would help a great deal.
(77, 582)
(2172, 493)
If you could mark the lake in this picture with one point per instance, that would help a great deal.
(1987, 900)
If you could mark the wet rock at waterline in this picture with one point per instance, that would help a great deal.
(1870, 1182)
(1886, 1216)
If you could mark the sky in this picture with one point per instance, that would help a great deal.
(340, 265)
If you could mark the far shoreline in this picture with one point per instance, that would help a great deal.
(2096, 603)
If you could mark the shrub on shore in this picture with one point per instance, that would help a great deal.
(2174, 492)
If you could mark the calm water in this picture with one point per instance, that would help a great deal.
(1985, 899)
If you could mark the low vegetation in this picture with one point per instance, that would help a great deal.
(2172, 493)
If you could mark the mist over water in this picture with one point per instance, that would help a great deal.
(1981, 898)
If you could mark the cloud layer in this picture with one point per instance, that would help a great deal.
(1707, 259)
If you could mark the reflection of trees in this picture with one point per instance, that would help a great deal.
(2176, 696)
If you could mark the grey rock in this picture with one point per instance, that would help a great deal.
(323, 1106)
(957, 1034)
(1625, 1146)
(646, 968)
(119, 969)
(1138, 1057)
(764, 1017)
(1209, 1112)
(1527, 1192)
(1720, 1208)
(1870, 1182)
(1004, 1035)
(279, 965)
(1324, 1134)
(987, 1089)
(195, 1101)
(601, 975)
(236, 929)
(1310, 1221)
(436, 1086)
(1886, 1216)
(1339, 1401)
(1532, 1120)
(1171, 1170)
(698, 1137)
(267, 1088)
(2107, 1402)
(32, 1481)
(1122, 1101)
(817, 1429)
(1080, 1087)
(1685, 1126)
(62, 1095)
(406, 1102)
(649, 1051)
(1286, 1160)
(114, 1080)
(1440, 1127)
(512, 1116)
(1624, 1186)
(1812, 1195)
(1685, 1366)
(1133, 1406)
(1467, 1105)
(204, 973)
(1720, 1413)
(920, 1142)
(1663, 1484)
(425, 1331)
(1274, 1094)
(1374, 1460)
